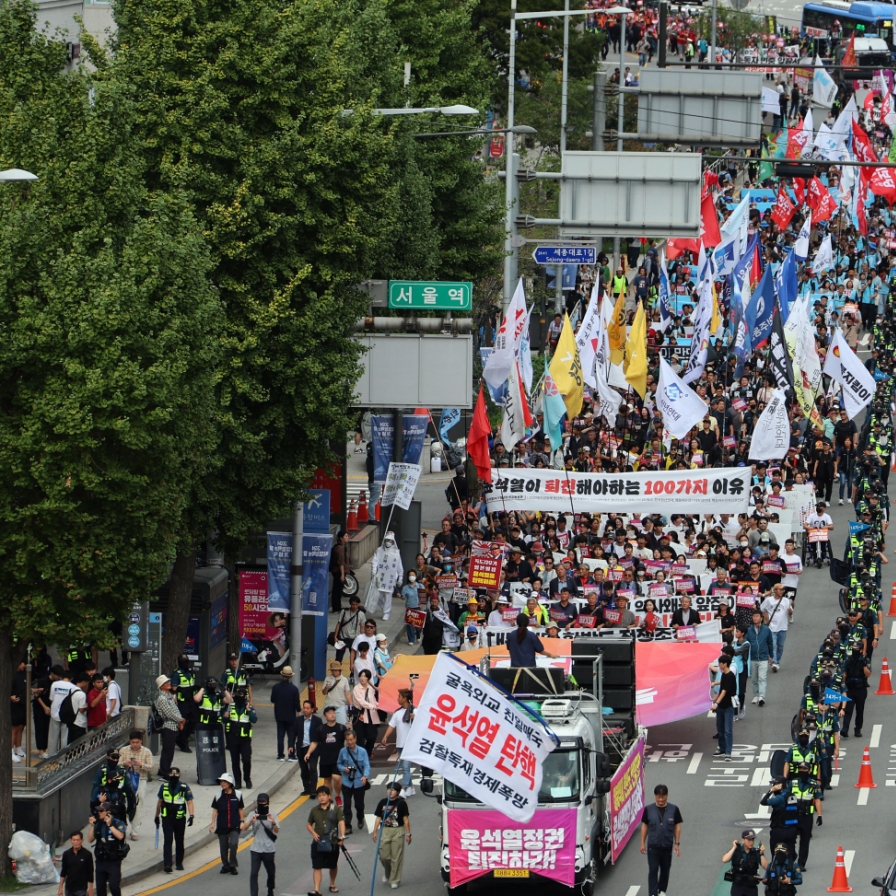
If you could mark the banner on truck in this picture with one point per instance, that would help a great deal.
(627, 799)
(725, 490)
(481, 841)
(477, 737)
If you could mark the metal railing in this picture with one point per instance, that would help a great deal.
(48, 775)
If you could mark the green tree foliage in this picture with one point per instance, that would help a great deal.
(110, 334)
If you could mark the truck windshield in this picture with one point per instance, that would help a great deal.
(560, 780)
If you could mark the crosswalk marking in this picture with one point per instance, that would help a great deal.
(694, 763)
(848, 856)
(875, 736)
(864, 793)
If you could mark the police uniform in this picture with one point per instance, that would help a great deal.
(77, 659)
(109, 852)
(857, 691)
(184, 681)
(210, 710)
(238, 722)
(805, 796)
(119, 793)
(744, 871)
(174, 797)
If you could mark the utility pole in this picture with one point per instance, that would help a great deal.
(296, 572)
(511, 264)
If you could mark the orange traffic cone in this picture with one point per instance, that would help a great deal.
(363, 515)
(352, 522)
(886, 681)
(892, 610)
(866, 779)
(840, 883)
(376, 511)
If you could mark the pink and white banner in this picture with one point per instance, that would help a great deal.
(487, 840)
(626, 799)
(672, 680)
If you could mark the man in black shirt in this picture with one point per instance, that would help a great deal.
(332, 740)
(393, 814)
(844, 428)
(684, 615)
(724, 708)
(76, 873)
(446, 540)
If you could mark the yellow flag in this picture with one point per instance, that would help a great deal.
(636, 353)
(716, 321)
(566, 370)
(616, 330)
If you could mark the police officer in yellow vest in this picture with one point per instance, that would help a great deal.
(76, 659)
(620, 283)
(211, 700)
(238, 721)
(235, 676)
(804, 788)
(183, 682)
(174, 806)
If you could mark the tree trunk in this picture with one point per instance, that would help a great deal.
(178, 613)
(234, 632)
(6, 660)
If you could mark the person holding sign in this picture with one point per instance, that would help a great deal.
(818, 527)
(411, 597)
(622, 616)
(684, 615)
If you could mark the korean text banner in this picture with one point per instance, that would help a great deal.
(401, 483)
(279, 560)
(477, 737)
(481, 841)
(672, 681)
(316, 574)
(627, 799)
(723, 490)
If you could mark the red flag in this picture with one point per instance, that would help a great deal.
(755, 267)
(882, 184)
(861, 144)
(783, 210)
(709, 221)
(799, 190)
(849, 57)
(674, 248)
(477, 440)
(869, 101)
(797, 140)
(820, 201)
(710, 180)
(861, 194)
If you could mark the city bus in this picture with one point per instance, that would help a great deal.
(839, 20)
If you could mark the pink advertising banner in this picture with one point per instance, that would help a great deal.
(487, 840)
(627, 799)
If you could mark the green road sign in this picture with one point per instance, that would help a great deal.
(434, 295)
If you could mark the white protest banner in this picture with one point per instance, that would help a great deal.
(717, 490)
(771, 438)
(479, 738)
(843, 365)
(679, 404)
(401, 482)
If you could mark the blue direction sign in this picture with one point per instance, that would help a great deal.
(565, 255)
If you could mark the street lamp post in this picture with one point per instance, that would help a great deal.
(622, 12)
(16, 174)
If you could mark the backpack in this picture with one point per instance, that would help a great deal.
(67, 714)
(156, 721)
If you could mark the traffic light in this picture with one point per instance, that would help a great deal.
(794, 169)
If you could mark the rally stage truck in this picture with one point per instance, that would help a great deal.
(592, 793)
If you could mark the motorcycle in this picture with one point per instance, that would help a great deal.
(350, 588)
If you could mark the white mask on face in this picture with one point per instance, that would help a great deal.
(412, 578)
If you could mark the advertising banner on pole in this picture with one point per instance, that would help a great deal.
(723, 490)
(480, 739)
(382, 434)
(627, 799)
(486, 841)
(315, 581)
(279, 560)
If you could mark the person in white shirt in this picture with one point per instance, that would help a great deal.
(776, 611)
(496, 617)
(113, 693)
(59, 690)
(794, 566)
(78, 728)
(819, 520)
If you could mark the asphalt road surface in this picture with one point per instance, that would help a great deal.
(717, 800)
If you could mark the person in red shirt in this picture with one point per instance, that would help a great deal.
(96, 703)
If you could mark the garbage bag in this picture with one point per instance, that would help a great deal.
(34, 864)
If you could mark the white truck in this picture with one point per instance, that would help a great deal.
(591, 797)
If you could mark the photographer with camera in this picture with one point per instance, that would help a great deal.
(781, 876)
(211, 700)
(265, 828)
(354, 763)
(108, 833)
(745, 860)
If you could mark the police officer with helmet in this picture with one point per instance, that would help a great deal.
(745, 860)
(238, 721)
(211, 700)
(235, 676)
(108, 833)
(175, 807)
(782, 877)
(804, 788)
(857, 672)
(783, 825)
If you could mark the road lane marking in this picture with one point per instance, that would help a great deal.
(760, 778)
(633, 890)
(835, 780)
(875, 736)
(848, 856)
(864, 793)
(694, 764)
(893, 631)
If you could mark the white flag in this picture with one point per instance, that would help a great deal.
(700, 339)
(771, 437)
(500, 361)
(808, 134)
(525, 356)
(503, 768)
(609, 398)
(824, 88)
(843, 365)
(824, 258)
(586, 337)
(801, 248)
(516, 410)
(679, 404)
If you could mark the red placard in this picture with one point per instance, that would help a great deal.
(415, 618)
(485, 572)
(584, 620)
(558, 616)
(686, 633)
(746, 599)
(818, 535)
(772, 567)
(509, 615)
(775, 501)
(612, 617)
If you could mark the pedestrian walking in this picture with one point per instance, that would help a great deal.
(400, 724)
(354, 763)
(137, 762)
(338, 692)
(762, 649)
(287, 705)
(175, 809)
(108, 834)
(172, 722)
(76, 871)
(746, 860)
(326, 825)
(265, 827)
(308, 739)
(393, 814)
(338, 567)
(776, 611)
(660, 835)
(227, 816)
(367, 723)
(724, 707)
(856, 674)
(332, 739)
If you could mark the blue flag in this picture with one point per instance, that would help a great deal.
(786, 285)
(855, 528)
(880, 375)
(832, 696)
(449, 417)
(761, 310)
(246, 646)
